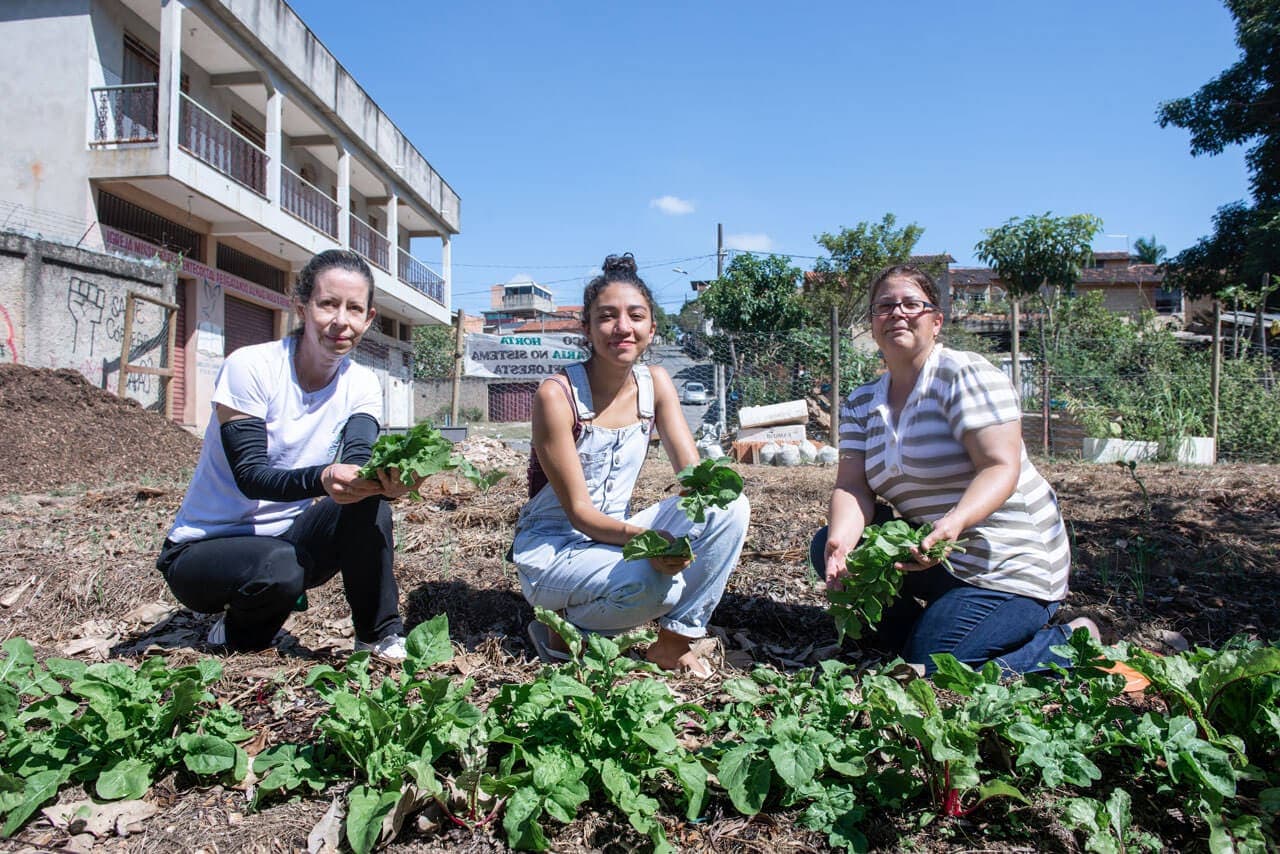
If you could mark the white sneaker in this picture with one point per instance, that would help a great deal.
(390, 649)
(218, 632)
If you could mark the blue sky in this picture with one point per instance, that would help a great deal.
(563, 125)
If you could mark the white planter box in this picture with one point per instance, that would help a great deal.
(787, 412)
(1118, 450)
(1197, 450)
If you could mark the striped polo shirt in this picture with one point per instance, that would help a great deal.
(921, 468)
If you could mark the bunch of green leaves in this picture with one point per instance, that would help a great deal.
(710, 483)
(653, 544)
(418, 453)
(108, 725)
(1107, 828)
(482, 480)
(589, 727)
(873, 581)
(391, 734)
(788, 740)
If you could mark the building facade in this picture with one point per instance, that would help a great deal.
(222, 138)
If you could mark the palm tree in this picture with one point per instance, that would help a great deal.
(1147, 251)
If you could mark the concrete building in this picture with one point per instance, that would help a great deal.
(518, 301)
(221, 137)
(1127, 287)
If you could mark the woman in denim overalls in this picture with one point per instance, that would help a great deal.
(591, 428)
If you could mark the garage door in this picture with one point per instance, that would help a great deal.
(246, 324)
(511, 401)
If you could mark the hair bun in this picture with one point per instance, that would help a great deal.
(620, 265)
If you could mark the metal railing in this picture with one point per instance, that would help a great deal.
(368, 242)
(124, 113)
(420, 277)
(308, 203)
(213, 141)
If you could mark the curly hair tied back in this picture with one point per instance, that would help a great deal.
(616, 269)
(330, 259)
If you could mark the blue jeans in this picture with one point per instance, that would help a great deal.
(973, 624)
(600, 592)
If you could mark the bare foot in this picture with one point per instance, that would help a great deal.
(672, 652)
(1088, 625)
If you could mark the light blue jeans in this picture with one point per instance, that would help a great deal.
(600, 592)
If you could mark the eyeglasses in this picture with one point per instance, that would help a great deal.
(910, 307)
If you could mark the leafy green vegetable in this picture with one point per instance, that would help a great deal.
(652, 544)
(419, 453)
(873, 582)
(422, 452)
(710, 483)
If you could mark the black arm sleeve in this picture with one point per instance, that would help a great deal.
(357, 439)
(245, 443)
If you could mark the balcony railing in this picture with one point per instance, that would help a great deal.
(368, 242)
(216, 143)
(306, 201)
(420, 277)
(124, 113)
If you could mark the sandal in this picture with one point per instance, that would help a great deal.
(540, 637)
(1134, 682)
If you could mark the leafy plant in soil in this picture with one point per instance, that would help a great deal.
(390, 734)
(872, 581)
(707, 484)
(108, 725)
(590, 728)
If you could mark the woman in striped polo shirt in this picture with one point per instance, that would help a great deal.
(939, 438)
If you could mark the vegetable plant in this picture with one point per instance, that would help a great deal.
(420, 453)
(709, 483)
(872, 581)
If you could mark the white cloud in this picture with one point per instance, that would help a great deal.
(672, 205)
(749, 242)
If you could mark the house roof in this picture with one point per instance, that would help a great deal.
(1134, 274)
(551, 324)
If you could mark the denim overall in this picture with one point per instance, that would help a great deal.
(560, 568)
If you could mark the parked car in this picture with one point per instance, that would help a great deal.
(694, 392)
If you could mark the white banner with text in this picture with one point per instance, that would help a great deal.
(528, 355)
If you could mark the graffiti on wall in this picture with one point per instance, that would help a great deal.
(98, 321)
(86, 302)
(8, 350)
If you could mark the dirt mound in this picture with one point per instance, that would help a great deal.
(57, 430)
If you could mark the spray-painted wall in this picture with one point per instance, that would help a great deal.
(62, 307)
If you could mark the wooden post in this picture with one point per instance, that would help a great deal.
(1215, 371)
(833, 433)
(171, 316)
(1045, 439)
(459, 350)
(125, 345)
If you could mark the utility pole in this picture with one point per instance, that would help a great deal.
(459, 351)
(719, 368)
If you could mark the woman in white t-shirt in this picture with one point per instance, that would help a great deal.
(293, 422)
(939, 438)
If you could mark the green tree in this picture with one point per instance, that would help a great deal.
(1238, 107)
(754, 295)
(433, 352)
(1037, 255)
(1146, 250)
(858, 254)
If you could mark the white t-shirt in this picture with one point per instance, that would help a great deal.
(921, 467)
(303, 429)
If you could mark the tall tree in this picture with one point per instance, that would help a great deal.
(1037, 255)
(754, 295)
(433, 351)
(858, 254)
(1146, 250)
(1238, 107)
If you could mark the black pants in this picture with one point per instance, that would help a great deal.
(257, 580)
